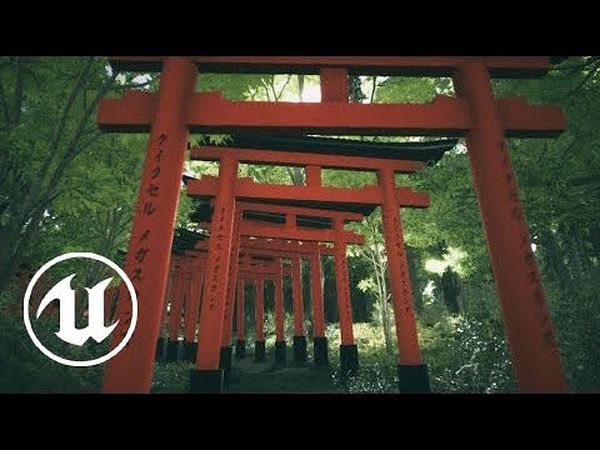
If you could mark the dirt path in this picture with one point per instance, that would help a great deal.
(251, 377)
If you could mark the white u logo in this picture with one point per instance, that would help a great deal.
(63, 292)
(68, 332)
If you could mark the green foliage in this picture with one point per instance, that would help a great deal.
(24, 369)
(64, 186)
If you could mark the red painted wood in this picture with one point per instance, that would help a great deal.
(275, 248)
(299, 233)
(164, 327)
(241, 311)
(316, 281)
(217, 270)
(284, 246)
(255, 267)
(247, 190)
(313, 160)
(297, 300)
(279, 307)
(334, 85)
(536, 360)
(190, 319)
(149, 250)
(312, 174)
(444, 116)
(187, 298)
(299, 211)
(342, 285)
(500, 66)
(258, 229)
(259, 308)
(406, 328)
(176, 306)
(231, 280)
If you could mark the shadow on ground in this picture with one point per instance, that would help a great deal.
(251, 377)
(248, 376)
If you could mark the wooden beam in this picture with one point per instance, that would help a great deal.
(248, 190)
(297, 159)
(444, 116)
(299, 211)
(281, 249)
(257, 229)
(437, 66)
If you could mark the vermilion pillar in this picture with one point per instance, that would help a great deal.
(348, 349)
(177, 299)
(149, 249)
(334, 85)
(412, 375)
(188, 300)
(259, 319)
(208, 377)
(316, 283)
(226, 351)
(300, 354)
(280, 345)
(330, 91)
(240, 344)
(164, 325)
(190, 319)
(536, 360)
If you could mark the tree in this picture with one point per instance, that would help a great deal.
(47, 127)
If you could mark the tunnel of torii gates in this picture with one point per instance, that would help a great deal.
(252, 249)
(299, 242)
(170, 114)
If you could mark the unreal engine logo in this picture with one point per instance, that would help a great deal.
(65, 295)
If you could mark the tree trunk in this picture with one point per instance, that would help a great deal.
(415, 280)
(450, 290)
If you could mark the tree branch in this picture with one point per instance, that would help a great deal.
(373, 89)
(63, 117)
(289, 77)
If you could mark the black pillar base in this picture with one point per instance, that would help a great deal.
(172, 351)
(280, 353)
(225, 363)
(413, 379)
(349, 359)
(300, 353)
(191, 349)
(160, 349)
(321, 351)
(240, 349)
(259, 351)
(206, 381)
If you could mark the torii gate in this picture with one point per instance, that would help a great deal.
(175, 109)
(291, 231)
(281, 249)
(190, 262)
(412, 373)
(182, 285)
(261, 247)
(250, 270)
(184, 281)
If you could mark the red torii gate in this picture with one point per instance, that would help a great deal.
(182, 266)
(175, 109)
(250, 270)
(337, 235)
(412, 372)
(190, 263)
(281, 249)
